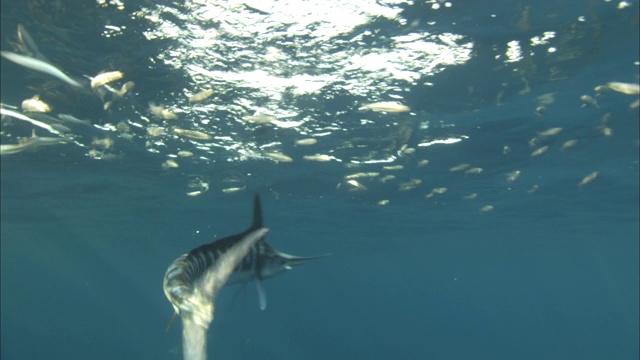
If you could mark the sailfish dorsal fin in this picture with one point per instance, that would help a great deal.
(257, 213)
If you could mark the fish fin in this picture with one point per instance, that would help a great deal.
(173, 318)
(257, 213)
(262, 296)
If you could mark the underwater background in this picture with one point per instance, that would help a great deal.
(473, 172)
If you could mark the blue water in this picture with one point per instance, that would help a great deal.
(551, 274)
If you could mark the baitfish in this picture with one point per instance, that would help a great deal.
(386, 106)
(105, 78)
(261, 261)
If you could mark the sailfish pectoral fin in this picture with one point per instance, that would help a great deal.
(262, 296)
(173, 318)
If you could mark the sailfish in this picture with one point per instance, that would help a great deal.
(255, 263)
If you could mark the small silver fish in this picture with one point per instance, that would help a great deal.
(386, 106)
(201, 96)
(306, 142)
(279, 157)
(193, 134)
(35, 105)
(319, 157)
(259, 119)
(105, 78)
(162, 113)
(587, 179)
(74, 120)
(624, 88)
(588, 100)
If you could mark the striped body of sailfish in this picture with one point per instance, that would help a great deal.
(260, 262)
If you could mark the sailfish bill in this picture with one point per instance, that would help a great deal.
(260, 262)
(39, 65)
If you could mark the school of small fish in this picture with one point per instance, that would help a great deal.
(401, 167)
